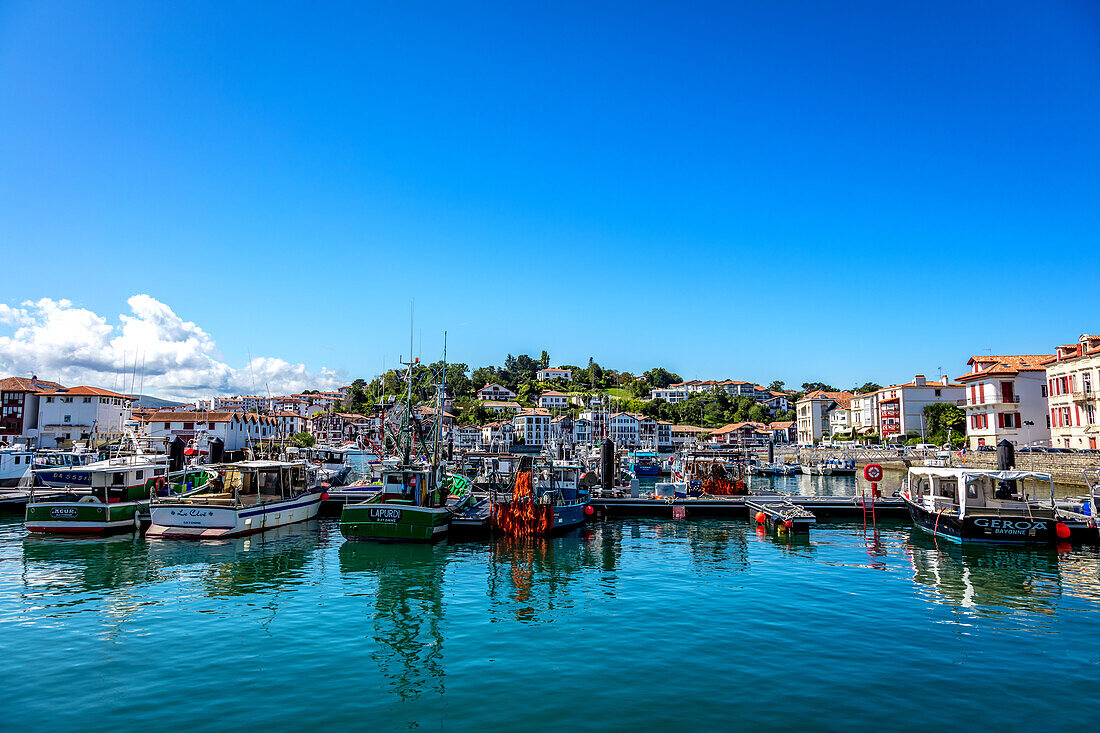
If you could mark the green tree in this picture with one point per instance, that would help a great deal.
(776, 385)
(814, 386)
(868, 387)
(941, 417)
(544, 360)
(302, 440)
(659, 377)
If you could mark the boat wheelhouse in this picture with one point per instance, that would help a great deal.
(970, 504)
(411, 506)
(643, 463)
(547, 497)
(246, 497)
(15, 465)
(116, 496)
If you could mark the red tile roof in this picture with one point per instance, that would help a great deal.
(1005, 365)
(23, 384)
(83, 391)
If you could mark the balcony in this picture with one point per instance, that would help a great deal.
(989, 402)
(1083, 396)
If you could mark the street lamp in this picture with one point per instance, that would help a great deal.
(1030, 453)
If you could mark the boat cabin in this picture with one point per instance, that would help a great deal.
(127, 481)
(962, 492)
(252, 482)
(415, 486)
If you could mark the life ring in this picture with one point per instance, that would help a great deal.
(158, 485)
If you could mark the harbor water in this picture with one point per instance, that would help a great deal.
(620, 625)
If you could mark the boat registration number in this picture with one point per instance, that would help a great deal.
(63, 512)
(385, 515)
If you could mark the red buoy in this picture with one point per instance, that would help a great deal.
(1062, 531)
(761, 517)
(788, 524)
(589, 510)
(324, 496)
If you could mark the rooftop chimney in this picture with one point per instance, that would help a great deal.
(945, 380)
(919, 380)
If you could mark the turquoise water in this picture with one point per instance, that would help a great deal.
(625, 625)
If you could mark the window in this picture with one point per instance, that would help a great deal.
(87, 400)
(49, 399)
(140, 475)
(189, 426)
(1044, 390)
(68, 418)
(67, 400)
(167, 426)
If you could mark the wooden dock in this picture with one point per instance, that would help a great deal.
(838, 507)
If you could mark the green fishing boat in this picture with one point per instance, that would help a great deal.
(417, 497)
(117, 500)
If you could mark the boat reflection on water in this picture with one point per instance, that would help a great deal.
(987, 580)
(408, 615)
(235, 566)
(65, 566)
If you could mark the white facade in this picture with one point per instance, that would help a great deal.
(1073, 386)
(624, 429)
(495, 393)
(81, 413)
(533, 426)
(466, 437)
(671, 395)
(901, 406)
(497, 436)
(236, 430)
(1006, 399)
(546, 374)
(812, 414)
(864, 417)
(553, 400)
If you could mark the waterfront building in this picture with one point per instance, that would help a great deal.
(236, 430)
(532, 425)
(864, 414)
(776, 401)
(466, 437)
(1073, 388)
(19, 407)
(664, 435)
(288, 423)
(784, 431)
(337, 427)
(290, 404)
(901, 406)
(747, 434)
(812, 414)
(66, 414)
(839, 418)
(227, 404)
(544, 375)
(1006, 399)
(497, 436)
(552, 400)
(582, 430)
(623, 429)
(686, 434)
(599, 421)
(494, 392)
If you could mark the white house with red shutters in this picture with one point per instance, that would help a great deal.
(1006, 399)
(494, 392)
(1073, 388)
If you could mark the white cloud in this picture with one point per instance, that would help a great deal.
(177, 357)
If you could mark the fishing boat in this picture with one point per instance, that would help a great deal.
(970, 504)
(418, 497)
(116, 500)
(547, 497)
(245, 497)
(830, 467)
(15, 465)
(74, 469)
(643, 463)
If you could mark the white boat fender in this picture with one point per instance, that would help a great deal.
(89, 500)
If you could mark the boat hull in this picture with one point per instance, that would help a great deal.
(1014, 530)
(379, 522)
(78, 517)
(200, 521)
(63, 478)
(652, 470)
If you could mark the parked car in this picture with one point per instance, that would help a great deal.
(1060, 450)
(1031, 449)
(988, 448)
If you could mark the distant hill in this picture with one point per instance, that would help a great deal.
(144, 400)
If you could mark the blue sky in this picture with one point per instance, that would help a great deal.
(833, 191)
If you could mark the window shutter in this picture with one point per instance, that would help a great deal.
(1000, 419)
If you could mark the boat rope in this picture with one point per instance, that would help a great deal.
(936, 526)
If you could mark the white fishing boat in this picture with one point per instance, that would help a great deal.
(250, 496)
